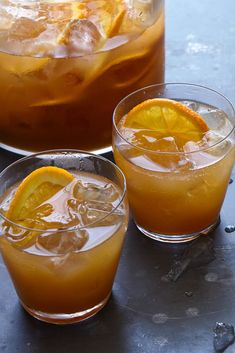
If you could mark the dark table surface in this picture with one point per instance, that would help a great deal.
(145, 313)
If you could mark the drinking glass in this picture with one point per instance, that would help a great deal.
(176, 196)
(65, 274)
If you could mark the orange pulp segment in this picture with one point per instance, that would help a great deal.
(35, 189)
(164, 118)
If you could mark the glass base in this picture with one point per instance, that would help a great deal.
(28, 153)
(179, 238)
(62, 319)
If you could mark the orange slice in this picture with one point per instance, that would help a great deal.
(117, 22)
(110, 17)
(161, 118)
(35, 189)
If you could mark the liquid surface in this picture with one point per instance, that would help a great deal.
(87, 204)
(165, 154)
(71, 28)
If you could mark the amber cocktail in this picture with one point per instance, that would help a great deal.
(65, 65)
(62, 232)
(175, 145)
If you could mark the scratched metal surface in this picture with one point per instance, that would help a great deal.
(145, 314)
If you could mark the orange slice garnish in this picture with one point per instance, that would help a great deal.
(109, 22)
(35, 189)
(161, 118)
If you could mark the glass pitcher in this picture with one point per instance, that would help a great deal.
(64, 65)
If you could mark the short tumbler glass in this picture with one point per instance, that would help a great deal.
(180, 202)
(65, 284)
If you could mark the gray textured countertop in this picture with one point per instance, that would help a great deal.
(145, 313)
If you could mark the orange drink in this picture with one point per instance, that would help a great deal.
(65, 65)
(175, 145)
(62, 232)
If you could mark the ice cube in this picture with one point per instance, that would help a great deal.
(63, 216)
(93, 215)
(99, 213)
(210, 138)
(61, 243)
(25, 28)
(142, 12)
(191, 105)
(169, 156)
(199, 252)
(166, 144)
(108, 193)
(202, 153)
(99, 206)
(99, 218)
(127, 133)
(80, 37)
(147, 139)
(91, 192)
(6, 20)
(223, 336)
(85, 192)
(92, 211)
(55, 13)
(215, 139)
(197, 156)
(216, 119)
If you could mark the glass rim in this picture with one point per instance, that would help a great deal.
(76, 227)
(180, 153)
